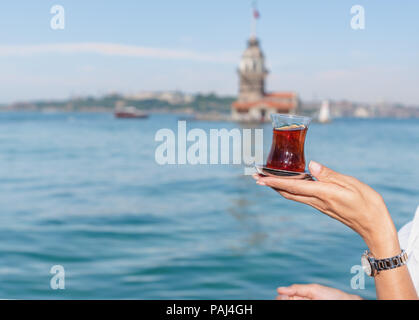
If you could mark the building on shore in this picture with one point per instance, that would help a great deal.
(253, 103)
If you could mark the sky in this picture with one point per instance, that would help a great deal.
(195, 46)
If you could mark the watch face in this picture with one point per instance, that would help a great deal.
(366, 265)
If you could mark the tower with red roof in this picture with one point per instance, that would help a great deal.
(254, 103)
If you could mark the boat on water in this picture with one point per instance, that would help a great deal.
(129, 112)
(324, 114)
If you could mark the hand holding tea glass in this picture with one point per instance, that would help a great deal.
(343, 198)
(356, 205)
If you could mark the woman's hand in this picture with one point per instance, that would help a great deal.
(313, 292)
(345, 199)
(355, 204)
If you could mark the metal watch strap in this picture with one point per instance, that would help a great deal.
(390, 263)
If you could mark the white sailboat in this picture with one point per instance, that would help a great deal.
(324, 114)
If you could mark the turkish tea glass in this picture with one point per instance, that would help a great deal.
(287, 150)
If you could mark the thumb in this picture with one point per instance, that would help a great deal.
(325, 174)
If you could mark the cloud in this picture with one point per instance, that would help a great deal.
(115, 49)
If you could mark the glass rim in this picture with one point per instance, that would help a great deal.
(290, 116)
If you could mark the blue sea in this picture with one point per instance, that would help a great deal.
(84, 191)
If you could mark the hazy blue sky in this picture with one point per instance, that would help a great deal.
(192, 45)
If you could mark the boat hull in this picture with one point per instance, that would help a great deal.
(128, 115)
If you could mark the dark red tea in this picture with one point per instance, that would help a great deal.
(287, 151)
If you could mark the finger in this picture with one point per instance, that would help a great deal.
(325, 174)
(301, 290)
(298, 187)
(286, 290)
(311, 201)
(299, 298)
(285, 297)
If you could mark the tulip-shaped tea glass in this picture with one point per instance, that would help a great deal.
(286, 157)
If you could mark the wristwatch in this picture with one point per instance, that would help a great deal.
(373, 266)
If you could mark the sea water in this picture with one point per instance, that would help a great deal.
(83, 191)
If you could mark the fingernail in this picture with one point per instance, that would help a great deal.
(315, 167)
(261, 183)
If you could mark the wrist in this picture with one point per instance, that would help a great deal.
(383, 242)
(380, 234)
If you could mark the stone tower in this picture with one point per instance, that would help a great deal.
(252, 72)
(253, 103)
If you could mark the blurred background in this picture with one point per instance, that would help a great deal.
(79, 183)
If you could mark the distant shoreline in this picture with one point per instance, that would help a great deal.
(204, 106)
(184, 114)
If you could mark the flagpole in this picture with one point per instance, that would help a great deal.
(253, 27)
(255, 16)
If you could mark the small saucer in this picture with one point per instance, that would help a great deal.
(268, 172)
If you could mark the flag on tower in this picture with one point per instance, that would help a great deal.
(256, 14)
